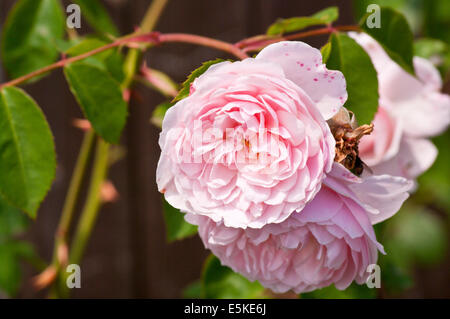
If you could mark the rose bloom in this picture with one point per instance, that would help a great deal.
(331, 241)
(250, 144)
(411, 110)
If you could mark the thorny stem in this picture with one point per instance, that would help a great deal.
(258, 42)
(152, 38)
(239, 49)
(204, 41)
(63, 62)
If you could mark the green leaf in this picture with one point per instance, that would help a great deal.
(159, 113)
(12, 220)
(176, 227)
(11, 253)
(326, 50)
(395, 36)
(100, 97)
(97, 16)
(362, 84)
(30, 34)
(354, 291)
(62, 45)
(411, 9)
(323, 17)
(193, 291)
(114, 64)
(110, 60)
(186, 86)
(220, 282)
(87, 45)
(27, 152)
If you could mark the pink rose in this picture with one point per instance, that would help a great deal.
(411, 110)
(331, 241)
(250, 144)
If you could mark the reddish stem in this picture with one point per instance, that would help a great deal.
(66, 61)
(152, 38)
(204, 41)
(239, 49)
(258, 42)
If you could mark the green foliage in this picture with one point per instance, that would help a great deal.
(354, 291)
(100, 97)
(427, 48)
(413, 236)
(416, 235)
(62, 45)
(184, 92)
(220, 282)
(30, 34)
(362, 84)
(86, 45)
(176, 227)
(436, 19)
(114, 63)
(11, 252)
(193, 291)
(97, 16)
(12, 221)
(434, 185)
(159, 113)
(410, 9)
(323, 17)
(110, 60)
(436, 50)
(326, 50)
(395, 36)
(395, 278)
(27, 152)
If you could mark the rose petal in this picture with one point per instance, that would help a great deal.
(302, 64)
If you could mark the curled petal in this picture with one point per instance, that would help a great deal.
(302, 64)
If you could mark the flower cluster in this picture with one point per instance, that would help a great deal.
(274, 204)
(411, 110)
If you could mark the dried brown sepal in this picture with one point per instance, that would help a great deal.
(347, 134)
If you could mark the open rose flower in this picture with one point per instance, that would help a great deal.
(331, 241)
(250, 144)
(411, 110)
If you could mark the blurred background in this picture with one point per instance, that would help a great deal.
(128, 256)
